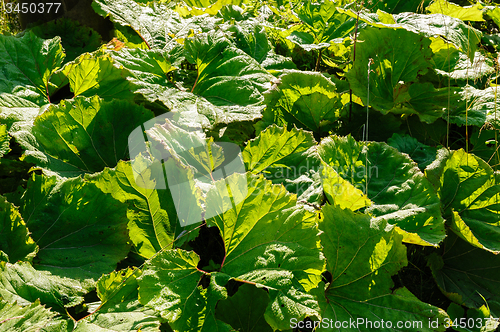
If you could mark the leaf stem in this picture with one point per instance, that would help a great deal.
(245, 281)
(11, 318)
(47, 90)
(353, 59)
(196, 81)
(144, 40)
(317, 61)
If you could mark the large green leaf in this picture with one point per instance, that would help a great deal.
(323, 24)
(14, 109)
(270, 243)
(82, 135)
(286, 260)
(401, 194)
(276, 147)
(189, 105)
(147, 66)
(191, 165)
(225, 75)
(20, 282)
(75, 38)
(29, 62)
(81, 231)
(308, 100)
(463, 36)
(362, 255)
(250, 37)
(460, 67)
(244, 311)
(468, 13)
(10, 100)
(481, 108)
(422, 154)
(396, 59)
(31, 318)
(92, 74)
(157, 25)
(153, 223)
(288, 158)
(15, 241)
(169, 284)
(470, 194)
(120, 309)
(149, 71)
(398, 6)
(466, 274)
(189, 146)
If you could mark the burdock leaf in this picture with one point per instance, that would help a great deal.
(81, 231)
(362, 254)
(288, 158)
(29, 61)
(307, 100)
(467, 274)
(470, 194)
(401, 194)
(83, 135)
(270, 243)
(169, 284)
(31, 318)
(23, 284)
(120, 309)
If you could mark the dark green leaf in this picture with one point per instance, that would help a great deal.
(120, 309)
(466, 274)
(29, 61)
(81, 231)
(288, 158)
(169, 284)
(32, 318)
(470, 194)
(244, 311)
(82, 135)
(151, 212)
(20, 282)
(268, 242)
(225, 75)
(75, 38)
(401, 194)
(398, 59)
(91, 74)
(422, 154)
(158, 26)
(308, 100)
(362, 255)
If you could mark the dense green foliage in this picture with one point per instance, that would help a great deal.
(369, 134)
